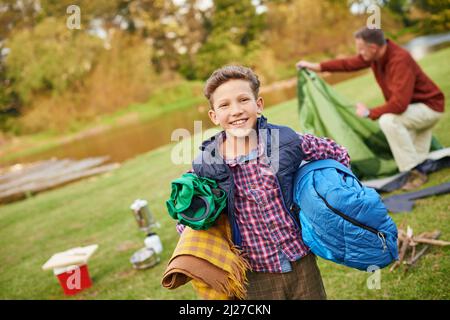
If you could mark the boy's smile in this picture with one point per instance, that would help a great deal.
(235, 108)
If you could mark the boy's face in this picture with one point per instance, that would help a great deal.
(235, 108)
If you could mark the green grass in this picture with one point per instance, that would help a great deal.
(97, 210)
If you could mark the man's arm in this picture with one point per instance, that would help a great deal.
(348, 64)
(308, 65)
(315, 148)
(402, 84)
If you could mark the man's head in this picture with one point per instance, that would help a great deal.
(232, 92)
(370, 43)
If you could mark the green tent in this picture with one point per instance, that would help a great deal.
(323, 112)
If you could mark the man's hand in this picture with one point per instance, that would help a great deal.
(362, 110)
(308, 65)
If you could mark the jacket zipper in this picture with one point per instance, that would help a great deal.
(379, 234)
(235, 234)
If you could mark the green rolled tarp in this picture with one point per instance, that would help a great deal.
(195, 201)
(323, 112)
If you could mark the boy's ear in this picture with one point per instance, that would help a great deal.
(212, 115)
(259, 105)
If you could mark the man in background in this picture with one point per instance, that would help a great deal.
(414, 103)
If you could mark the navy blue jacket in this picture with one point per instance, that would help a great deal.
(282, 149)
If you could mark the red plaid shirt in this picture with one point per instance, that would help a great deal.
(268, 232)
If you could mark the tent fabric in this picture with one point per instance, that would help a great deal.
(323, 112)
(436, 160)
(405, 202)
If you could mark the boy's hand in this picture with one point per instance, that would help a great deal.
(308, 65)
(362, 110)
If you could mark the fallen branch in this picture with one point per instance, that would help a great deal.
(404, 246)
(408, 242)
(415, 258)
(431, 241)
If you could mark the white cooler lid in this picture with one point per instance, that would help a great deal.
(75, 256)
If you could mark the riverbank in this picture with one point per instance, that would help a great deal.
(182, 96)
(96, 210)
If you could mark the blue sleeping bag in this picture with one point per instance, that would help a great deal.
(342, 220)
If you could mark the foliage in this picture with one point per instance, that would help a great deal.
(49, 58)
(233, 33)
(436, 17)
(299, 28)
(121, 75)
(45, 68)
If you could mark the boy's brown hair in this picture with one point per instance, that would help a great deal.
(232, 72)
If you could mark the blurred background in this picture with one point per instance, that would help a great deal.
(84, 83)
(139, 64)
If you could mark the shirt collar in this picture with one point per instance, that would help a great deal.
(243, 159)
(261, 123)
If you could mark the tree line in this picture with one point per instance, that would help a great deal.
(126, 50)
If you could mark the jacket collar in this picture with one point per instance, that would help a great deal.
(387, 54)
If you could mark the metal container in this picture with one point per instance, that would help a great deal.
(144, 258)
(143, 216)
(152, 241)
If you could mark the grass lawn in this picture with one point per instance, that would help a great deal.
(97, 210)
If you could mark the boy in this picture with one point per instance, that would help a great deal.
(255, 162)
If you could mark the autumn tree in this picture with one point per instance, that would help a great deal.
(233, 32)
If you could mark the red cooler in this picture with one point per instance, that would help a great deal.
(73, 279)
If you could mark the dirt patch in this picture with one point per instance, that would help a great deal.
(127, 245)
(127, 273)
